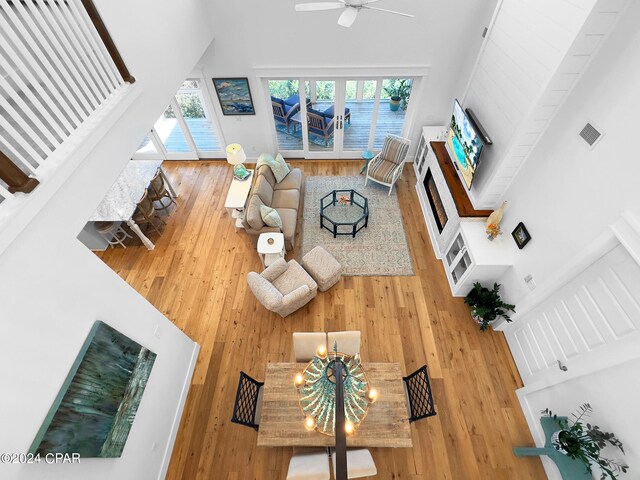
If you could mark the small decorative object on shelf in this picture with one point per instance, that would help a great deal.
(493, 222)
(521, 235)
(486, 305)
(584, 442)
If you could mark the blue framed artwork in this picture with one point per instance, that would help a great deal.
(96, 406)
(234, 95)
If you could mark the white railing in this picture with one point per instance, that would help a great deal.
(55, 72)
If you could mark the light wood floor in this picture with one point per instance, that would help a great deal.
(196, 277)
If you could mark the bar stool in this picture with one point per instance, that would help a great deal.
(158, 191)
(145, 213)
(112, 232)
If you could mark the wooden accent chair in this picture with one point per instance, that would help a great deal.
(158, 191)
(283, 113)
(386, 167)
(320, 125)
(145, 213)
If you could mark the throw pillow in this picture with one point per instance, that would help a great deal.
(270, 217)
(279, 168)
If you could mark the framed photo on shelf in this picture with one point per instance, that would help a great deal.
(234, 95)
(521, 235)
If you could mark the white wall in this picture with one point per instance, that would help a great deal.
(445, 36)
(614, 400)
(566, 194)
(534, 55)
(52, 288)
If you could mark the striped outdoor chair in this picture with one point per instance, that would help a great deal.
(386, 167)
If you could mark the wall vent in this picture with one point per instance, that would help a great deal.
(591, 134)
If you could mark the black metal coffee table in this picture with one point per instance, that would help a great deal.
(344, 212)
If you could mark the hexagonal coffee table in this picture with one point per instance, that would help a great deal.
(344, 212)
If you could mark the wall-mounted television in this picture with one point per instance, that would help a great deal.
(464, 143)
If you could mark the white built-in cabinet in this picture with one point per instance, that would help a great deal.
(471, 257)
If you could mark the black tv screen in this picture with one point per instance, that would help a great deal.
(464, 143)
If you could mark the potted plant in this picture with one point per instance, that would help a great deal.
(398, 91)
(584, 442)
(486, 305)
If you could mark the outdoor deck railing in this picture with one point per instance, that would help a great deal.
(58, 65)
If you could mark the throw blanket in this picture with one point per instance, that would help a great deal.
(277, 165)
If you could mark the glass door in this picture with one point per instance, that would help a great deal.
(185, 130)
(339, 118)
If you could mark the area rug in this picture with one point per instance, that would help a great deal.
(379, 249)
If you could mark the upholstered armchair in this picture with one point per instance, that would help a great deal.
(283, 287)
(386, 167)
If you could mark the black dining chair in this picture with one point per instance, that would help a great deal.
(419, 399)
(248, 404)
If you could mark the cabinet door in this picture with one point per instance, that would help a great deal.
(461, 267)
(454, 249)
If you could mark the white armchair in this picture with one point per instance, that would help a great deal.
(283, 287)
(386, 167)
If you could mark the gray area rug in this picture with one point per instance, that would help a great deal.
(379, 249)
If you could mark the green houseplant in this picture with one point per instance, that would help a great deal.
(486, 305)
(583, 441)
(398, 91)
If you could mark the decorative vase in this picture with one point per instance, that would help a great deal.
(394, 104)
(476, 318)
(555, 442)
(496, 216)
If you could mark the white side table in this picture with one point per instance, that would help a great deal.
(270, 252)
(237, 198)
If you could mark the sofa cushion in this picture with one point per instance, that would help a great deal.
(278, 100)
(252, 214)
(286, 199)
(265, 171)
(292, 180)
(329, 112)
(289, 218)
(263, 190)
(270, 216)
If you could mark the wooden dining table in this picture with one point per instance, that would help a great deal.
(281, 421)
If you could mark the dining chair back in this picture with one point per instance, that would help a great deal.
(145, 212)
(112, 232)
(158, 191)
(305, 344)
(309, 464)
(418, 394)
(359, 463)
(248, 405)
(348, 342)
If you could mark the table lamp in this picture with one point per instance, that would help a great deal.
(236, 157)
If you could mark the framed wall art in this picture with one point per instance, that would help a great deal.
(97, 403)
(521, 235)
(234, 95)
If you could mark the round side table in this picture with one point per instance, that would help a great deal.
(270, 247)
(367, 155)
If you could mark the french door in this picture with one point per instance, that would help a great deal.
(185, 130)
(336, 118)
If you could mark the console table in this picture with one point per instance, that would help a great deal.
(569, 469)
(237, 198)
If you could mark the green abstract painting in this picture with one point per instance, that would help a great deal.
(95, 408)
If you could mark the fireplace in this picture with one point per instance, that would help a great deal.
(435, 202)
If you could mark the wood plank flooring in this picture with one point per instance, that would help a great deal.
(196, 277)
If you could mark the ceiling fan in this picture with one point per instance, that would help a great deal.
(351, 9)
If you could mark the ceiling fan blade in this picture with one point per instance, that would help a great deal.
(348, 17)
(314, 6)
(389, 11)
